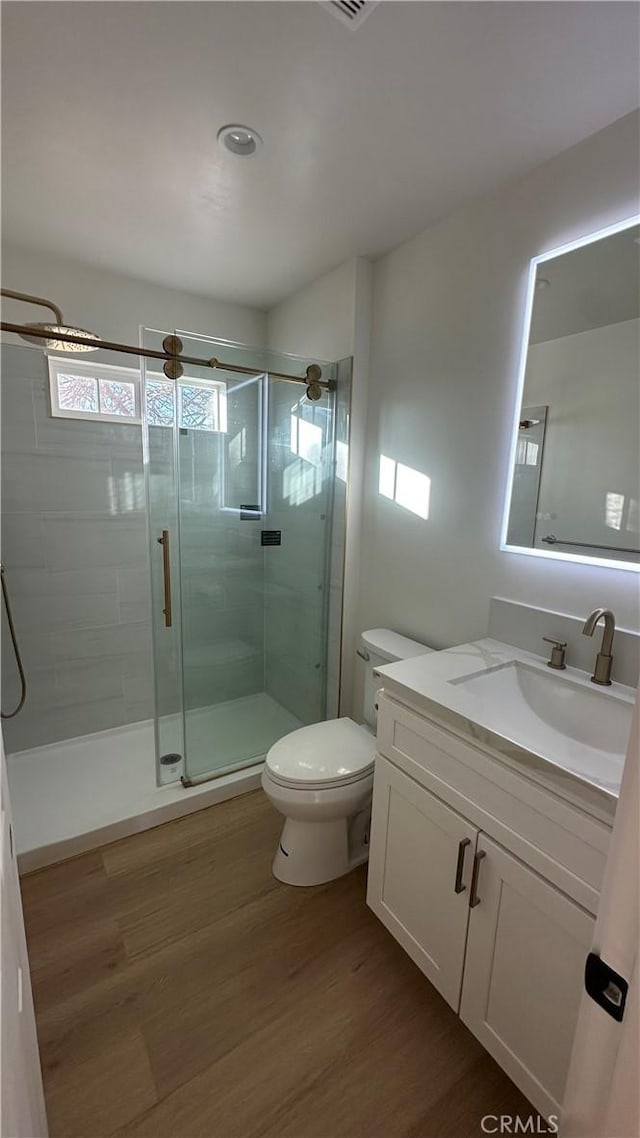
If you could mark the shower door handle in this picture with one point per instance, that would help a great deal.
(166, 573)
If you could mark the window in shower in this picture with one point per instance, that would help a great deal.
(111, 394)
(201, 406)
(84, 391)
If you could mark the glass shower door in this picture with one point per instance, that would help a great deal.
(300, 497)
(252, 493)
(221, 504)
(162, 506)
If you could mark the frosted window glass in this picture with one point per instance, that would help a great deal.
(91, 391)
(117, 398)
(77, 393)
(161, 404)
(198, 408)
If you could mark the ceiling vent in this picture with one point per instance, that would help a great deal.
(350, 12)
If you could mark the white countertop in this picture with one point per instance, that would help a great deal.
(587, 770)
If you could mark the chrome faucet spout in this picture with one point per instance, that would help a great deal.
(604, 658)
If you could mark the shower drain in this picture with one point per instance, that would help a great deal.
(171, 768)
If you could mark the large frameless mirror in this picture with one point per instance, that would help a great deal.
(574, 482)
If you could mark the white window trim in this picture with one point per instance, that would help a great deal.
(62, 365)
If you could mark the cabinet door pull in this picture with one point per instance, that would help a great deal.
(459, 887)
(474, 899)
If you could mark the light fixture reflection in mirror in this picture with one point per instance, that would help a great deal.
(574, 471)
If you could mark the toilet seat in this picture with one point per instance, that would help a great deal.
(335, 784)
(335, 753)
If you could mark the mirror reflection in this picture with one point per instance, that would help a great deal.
(575, 482)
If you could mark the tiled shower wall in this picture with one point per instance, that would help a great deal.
(74, 546)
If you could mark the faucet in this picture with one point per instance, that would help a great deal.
(604, 659)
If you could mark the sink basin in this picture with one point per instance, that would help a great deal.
(557, 726)
(554, 713)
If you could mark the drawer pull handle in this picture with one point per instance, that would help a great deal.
(474, 899)
(462, 848)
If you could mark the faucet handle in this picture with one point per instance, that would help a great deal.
(558, 653)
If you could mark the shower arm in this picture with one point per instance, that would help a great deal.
(171, 353)
(12, 295)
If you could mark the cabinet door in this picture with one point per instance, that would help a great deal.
(524, 970)
(419, 875)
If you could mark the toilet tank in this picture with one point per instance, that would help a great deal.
(379, 646)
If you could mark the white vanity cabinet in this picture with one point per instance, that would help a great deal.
(526, 948)
(490, 882)
(418, 845)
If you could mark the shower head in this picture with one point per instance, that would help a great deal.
(54, 343)
(57, 329)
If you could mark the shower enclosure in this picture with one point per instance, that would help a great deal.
(217, 641)
(246, 518)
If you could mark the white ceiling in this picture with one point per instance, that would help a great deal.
(110, 113)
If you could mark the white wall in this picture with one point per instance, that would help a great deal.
(114, 306)
(317, 320)
(330, 319)
(447, 324)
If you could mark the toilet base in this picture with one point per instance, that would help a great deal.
(312, 853)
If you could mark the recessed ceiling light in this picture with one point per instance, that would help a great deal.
(241, 140)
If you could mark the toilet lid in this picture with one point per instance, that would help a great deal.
(329, 752)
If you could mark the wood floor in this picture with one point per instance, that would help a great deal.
(182, 992)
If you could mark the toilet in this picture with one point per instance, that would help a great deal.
(321, 779)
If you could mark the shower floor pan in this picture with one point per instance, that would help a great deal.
(76, 794)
